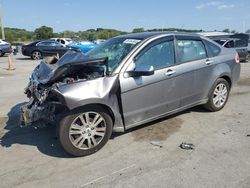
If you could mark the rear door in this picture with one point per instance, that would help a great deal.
(192, 58)
(46, 47)
(60, 48)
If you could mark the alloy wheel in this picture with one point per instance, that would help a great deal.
(87, 130)
(36, 55)
(220, 95)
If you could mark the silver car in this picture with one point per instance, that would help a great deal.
(125, 82)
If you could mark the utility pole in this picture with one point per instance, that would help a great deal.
(1, 20)
(244, 26)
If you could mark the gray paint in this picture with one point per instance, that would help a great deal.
(149, 97)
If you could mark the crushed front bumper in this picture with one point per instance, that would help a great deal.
(31, 113)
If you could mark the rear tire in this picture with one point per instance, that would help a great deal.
(1, 54)
(85, 132)
(218, 95)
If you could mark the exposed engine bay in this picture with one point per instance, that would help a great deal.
(49, 76)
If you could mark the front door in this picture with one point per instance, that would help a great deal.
(147, 97)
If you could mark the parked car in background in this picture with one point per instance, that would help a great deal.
(3, 42)
(83, 45)
(5, 48)
(234, 43)
(125, 82)
(65, 41)
(40, 49)
(99, 41)
(248, 48)
(239, 42)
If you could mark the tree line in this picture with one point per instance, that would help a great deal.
(45, 32)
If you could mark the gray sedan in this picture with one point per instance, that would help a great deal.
(125, 82)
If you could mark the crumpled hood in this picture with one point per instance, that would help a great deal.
(48, 73)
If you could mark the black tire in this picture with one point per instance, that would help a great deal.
(247, 57)
(65, 137)
(1, 54)
(210, 105)
(36, 55)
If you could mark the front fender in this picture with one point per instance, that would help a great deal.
(103, 91)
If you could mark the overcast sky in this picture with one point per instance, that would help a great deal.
(127, 14)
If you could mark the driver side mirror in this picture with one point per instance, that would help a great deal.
(141, 70)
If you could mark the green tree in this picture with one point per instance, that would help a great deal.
(92, 36)
(226, 30)
(248, 31)
(138, 30)
(10, 37)
(44, 32)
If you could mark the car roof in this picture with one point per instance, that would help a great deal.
(226, 39)
(146, 35)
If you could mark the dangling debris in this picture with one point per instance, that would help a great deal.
(187, 146)
(156, 143)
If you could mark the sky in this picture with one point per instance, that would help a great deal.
(78, 15)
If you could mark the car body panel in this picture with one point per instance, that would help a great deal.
(5, 48)
(136, 100)
(84, 46)
(102, 91)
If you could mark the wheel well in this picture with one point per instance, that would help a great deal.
(103, 106)
(36, 51)
(227, 78)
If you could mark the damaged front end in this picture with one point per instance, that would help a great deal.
(63, 85)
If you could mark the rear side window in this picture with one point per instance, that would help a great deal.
(212, 49)
(190, 50)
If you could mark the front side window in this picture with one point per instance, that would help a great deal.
(190, 50)
(159, 56)
(47, 43)
(41, 44)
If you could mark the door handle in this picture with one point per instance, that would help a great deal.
(169, 72)
(208, 61)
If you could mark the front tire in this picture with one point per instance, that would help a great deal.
(85, 132)
(36, 55)
(218, 95)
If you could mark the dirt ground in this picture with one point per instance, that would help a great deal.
(32, 157)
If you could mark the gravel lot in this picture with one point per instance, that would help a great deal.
(32, 157)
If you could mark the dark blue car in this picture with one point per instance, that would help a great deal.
(5, 48)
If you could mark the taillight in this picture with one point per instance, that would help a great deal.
(237, 58)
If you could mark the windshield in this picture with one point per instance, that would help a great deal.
(115, 50)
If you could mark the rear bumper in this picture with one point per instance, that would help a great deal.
(25, 53)
(236, 73)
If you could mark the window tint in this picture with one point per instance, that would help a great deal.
(190, 50)
(41, 44)
(213, 50)
(62, 41)
(159, 56)
(47, 43)
(229, 44)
